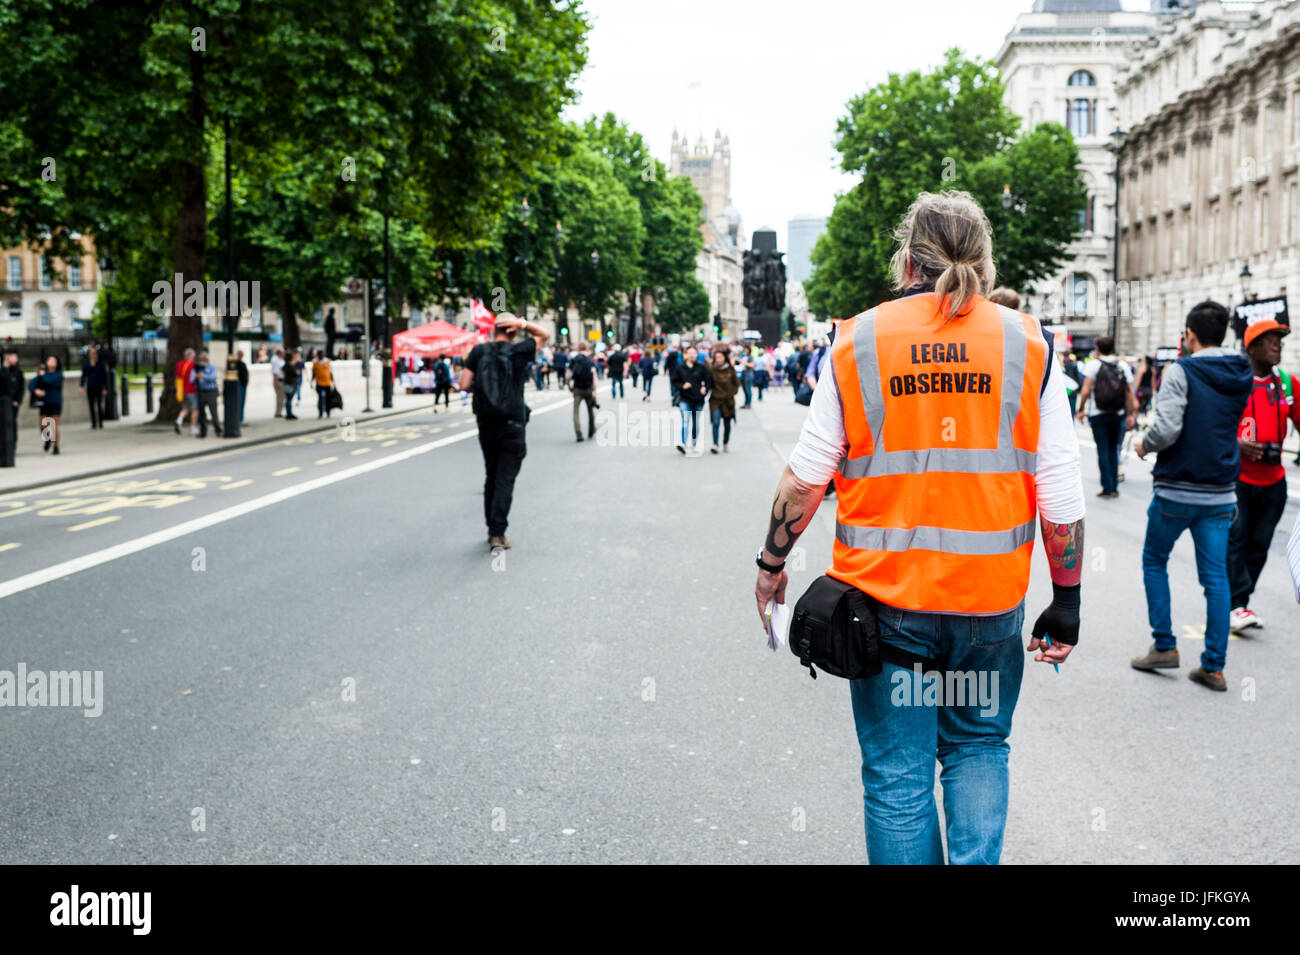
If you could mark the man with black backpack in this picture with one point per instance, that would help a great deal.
(582, 382)
(1109, 383)
(495, 373)
(441, 384)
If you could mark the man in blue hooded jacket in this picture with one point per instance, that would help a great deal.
(1197, 412)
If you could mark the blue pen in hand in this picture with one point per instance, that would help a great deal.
(1048, 641)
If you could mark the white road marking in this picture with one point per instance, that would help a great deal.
(126, 548)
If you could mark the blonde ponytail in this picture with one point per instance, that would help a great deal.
(945, 238)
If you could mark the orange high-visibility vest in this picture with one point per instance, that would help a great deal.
(936, 493)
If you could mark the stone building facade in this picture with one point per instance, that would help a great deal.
(1210, 106)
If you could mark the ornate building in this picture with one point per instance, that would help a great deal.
(1059, 63)
(1211, 111)
(719, 265)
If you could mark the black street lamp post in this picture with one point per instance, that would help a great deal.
(595, 265)
(1008, 200)
(386, 353)
(524, 212)
(1117, 147)
(108, 278)
(561, 324)
(230, 399)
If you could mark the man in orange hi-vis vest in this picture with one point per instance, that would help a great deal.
(946, 428)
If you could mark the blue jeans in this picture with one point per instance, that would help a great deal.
(747, 382)
(1107, 433)
(616, 389)
(1210, 524)
(691, 416)
(901, 737)
(715, 418)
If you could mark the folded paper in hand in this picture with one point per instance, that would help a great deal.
(778, 624)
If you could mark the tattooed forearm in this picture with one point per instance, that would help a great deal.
(792, 509)
(780, 532)
(1064, 546)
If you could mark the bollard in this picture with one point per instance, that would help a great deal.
(148, 393)
(126, 393)
(135, 361)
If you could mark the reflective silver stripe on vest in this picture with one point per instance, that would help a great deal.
(1004, 459)
(942, 539)
(970, 460)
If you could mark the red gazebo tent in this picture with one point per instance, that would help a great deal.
(435, 340)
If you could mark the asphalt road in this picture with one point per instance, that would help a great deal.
(327, 665)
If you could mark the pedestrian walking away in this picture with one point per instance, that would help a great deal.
(323, 380)
(1261, 488)
(616, 363)
(289, 383)
(723, 385)
(277, 380)
(1198, 411)
(944, 575)
(12, 389)
(46, 388)
(441, 384)
(94, 384)
(241, 370)
(495, 372)
(648, 372)
(582, 384)
(1109, 384)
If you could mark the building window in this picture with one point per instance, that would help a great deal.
(1266, 124)
(1295, 116)
(71, 309)
(1079, 294)
(1082, 113)
(43, 272)
(42, 315)
(1238, 228)
(1082, 78)
(15, 273)
(15, 311)
(1086, 221)
(74, 275)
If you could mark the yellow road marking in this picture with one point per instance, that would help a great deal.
(361, 451)
(327, 460)
(283, 471)
(234, 484)
(434, 430)
(102, 520)
(4, 547)
(387, 444)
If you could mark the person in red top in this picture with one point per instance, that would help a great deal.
(1261, 488)
(189, 393)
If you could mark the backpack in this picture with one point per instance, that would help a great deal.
(495, 382)
(440, 373)
(581, 367)
(1109, 388)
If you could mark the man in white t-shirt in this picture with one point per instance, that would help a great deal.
(277, 380)
(1108, 382)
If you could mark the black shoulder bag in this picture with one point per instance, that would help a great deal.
(834, 629)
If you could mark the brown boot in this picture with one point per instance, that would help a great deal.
(1211, 678)
(499, 542)
(1156, 660)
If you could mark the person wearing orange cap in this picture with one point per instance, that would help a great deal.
(1261, 488)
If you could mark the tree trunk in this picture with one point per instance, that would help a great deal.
(631, 322)
(395, 322)
(289, 323)
(191, 250)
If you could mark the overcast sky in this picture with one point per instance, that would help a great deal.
(774, 76)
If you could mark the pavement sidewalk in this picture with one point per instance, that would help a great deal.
(138, 441)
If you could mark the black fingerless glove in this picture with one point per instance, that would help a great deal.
(1060, 621)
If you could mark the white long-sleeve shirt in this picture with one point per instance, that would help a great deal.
(1058, 481)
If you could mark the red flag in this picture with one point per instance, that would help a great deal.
(484, 320)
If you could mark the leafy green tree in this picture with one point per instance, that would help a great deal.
(929, 131)
(684, 307)
(434, 112)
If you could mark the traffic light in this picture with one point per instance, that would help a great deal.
(565, 331)
(609, 333)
